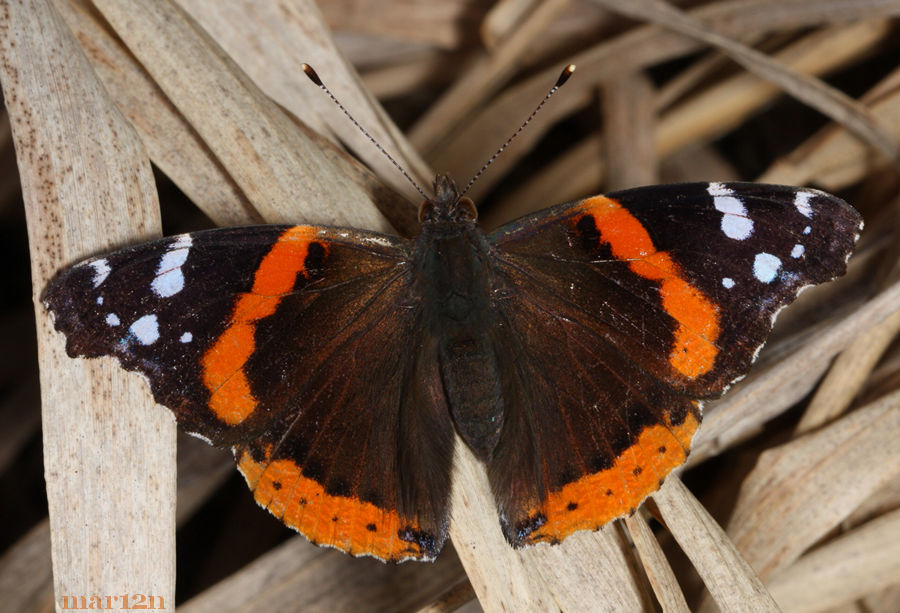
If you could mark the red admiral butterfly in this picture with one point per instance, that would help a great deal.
(570, 349)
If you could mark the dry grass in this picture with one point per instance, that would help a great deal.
(799, 464)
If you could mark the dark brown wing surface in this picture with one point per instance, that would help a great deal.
(619, 312)
(290, 344)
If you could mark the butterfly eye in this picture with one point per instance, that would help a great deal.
(465, 210)
(426, 210)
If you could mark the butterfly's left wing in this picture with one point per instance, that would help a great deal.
(300, 348)
(618, 313)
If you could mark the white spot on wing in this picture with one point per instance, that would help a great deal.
(797, 251)
(112, 319)
(174, 257)
(801, 201)
(99, 299)
(101, 271)
(735, 223)
(807, 230)
(718, 189)
(728, 282)
(187, 337)
(146, 329)
(735, 226)
(766, 267)
(169, 279)
(169, 283)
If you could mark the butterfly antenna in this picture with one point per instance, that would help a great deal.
(315, 79)
(563, 77)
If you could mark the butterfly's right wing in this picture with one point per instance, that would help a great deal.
(290, 344)
(618, 314)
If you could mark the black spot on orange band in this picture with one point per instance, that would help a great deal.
(343, 522)
(636, 474)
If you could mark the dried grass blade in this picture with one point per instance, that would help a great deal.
(453, 599)
(801, 490)
(863, 561)
(758, 400)
(631, 51)
(572, 175)
(589, 571)
(629, 122)
(581, 168)
(102, 432)
(660, 574)
(727, 104)
(833, 158)
(503, 19)
(487, 75)
(447, 24)
(424, 70)
(26, 574)
(281, 169)
(885, 500)
(498, 575)
(271, 40)
(848, 374)
(813, 92)
(730, 580)
(172, 143)
(25, 570)
(297, 575)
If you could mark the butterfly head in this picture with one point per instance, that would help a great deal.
(447, 206)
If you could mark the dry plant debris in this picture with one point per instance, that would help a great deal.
(791, 496)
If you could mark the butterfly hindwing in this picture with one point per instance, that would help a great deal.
(288, 344)
(586, 437)
(620, 311)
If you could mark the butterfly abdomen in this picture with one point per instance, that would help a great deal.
(452, 280)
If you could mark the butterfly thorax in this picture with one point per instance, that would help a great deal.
(453, 283)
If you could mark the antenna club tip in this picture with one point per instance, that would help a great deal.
(565, 74)
(313, 76)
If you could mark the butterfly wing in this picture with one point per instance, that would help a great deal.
(290, 345)
(619, 312)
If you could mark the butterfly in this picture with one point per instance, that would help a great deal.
(570, 349)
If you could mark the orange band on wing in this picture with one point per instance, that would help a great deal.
(230, 396)
(693, 351)
(345, 523)
(598, 498)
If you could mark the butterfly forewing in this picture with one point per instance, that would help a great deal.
(749, 248)
(157, 308)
